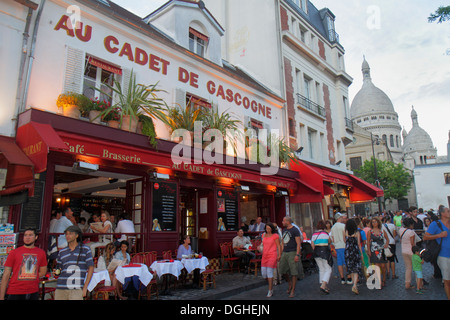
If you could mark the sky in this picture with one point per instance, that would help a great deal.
(408, 56)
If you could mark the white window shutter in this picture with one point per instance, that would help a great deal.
(180, 98)
(124, 82)
(74, 70)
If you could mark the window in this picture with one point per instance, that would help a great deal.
(197, 42)
(355, 163)
(196, 102)
(396, 141)
(307, 89)
(391, 140)
(303, 32)
(96, 74)
(447, 178)
(384, 137)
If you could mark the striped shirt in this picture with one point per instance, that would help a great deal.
(320, 238)
(74, 266)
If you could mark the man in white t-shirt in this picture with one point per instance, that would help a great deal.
(337, 235)
(125, 225)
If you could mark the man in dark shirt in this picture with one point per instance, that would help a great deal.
(291, 254)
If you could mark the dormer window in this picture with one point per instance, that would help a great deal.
(197, 42)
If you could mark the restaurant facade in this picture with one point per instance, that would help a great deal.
(94, 166)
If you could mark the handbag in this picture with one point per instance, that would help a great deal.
(432, 248)
(387, 251)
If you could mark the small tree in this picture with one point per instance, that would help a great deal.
(441, 14)
(394, 178)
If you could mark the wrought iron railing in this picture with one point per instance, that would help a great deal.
(310, 105)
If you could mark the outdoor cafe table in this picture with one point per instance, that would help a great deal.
(97, 277)
(134, 269)
(166, 267)
(192, 264)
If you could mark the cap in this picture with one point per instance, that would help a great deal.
(339, 215)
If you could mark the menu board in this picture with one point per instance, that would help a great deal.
(164, 213)
(31, 215)
(227, 210)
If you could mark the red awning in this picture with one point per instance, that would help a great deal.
(20, 175)
(36, 139)
(363, 191)
(310, 183)
(335, 177)
(327, 190)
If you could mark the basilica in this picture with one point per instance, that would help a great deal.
(378, 134)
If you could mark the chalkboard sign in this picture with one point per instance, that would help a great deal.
(31, 214)
(227, 210)
(164, 213)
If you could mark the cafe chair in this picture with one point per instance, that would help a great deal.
(253, 265)
(99, 251)
(138, 258)
(209, 275)
(226, 257)
(149, 291)
(102, 292)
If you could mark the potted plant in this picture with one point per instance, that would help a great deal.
(224, 123)
(146, 127)
(177, 117)
(136, 99)
(96, 109)
(69, 103)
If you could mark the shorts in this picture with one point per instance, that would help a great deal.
(340, 253)
(287, 263)
(267, 272)
(419, 274)
(69, 294)
(444, 265)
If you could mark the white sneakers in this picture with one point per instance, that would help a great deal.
(269, 294)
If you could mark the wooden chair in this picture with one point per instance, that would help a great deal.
(253, 265)
(226, 256)
(209, 275)
(138, 258)
(102, 292)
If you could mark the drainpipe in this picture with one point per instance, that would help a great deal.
(20, 105)
(23, 58)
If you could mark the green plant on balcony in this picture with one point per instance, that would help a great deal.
(132, 100)
(223, 123)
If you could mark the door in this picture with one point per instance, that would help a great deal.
(135, 204)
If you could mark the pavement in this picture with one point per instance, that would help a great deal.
(240, 286)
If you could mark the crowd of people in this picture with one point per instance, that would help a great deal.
(357, 246)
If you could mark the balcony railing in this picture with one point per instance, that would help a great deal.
(349, 123)
(310, 105)
(333, 36)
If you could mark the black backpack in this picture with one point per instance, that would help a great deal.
(432, 247)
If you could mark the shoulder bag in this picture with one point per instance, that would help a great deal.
(432, 247)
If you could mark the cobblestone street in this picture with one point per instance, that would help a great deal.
(308, 289)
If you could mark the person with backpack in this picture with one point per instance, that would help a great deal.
(320, 242)
(439, 231)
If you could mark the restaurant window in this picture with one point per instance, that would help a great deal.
(196, 103)
(197, 42)
(98, 74)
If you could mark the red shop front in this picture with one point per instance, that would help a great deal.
(92, 167)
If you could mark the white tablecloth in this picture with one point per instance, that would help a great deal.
(191, 264)
(162, 268)
(97, 277)
(142, 272)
